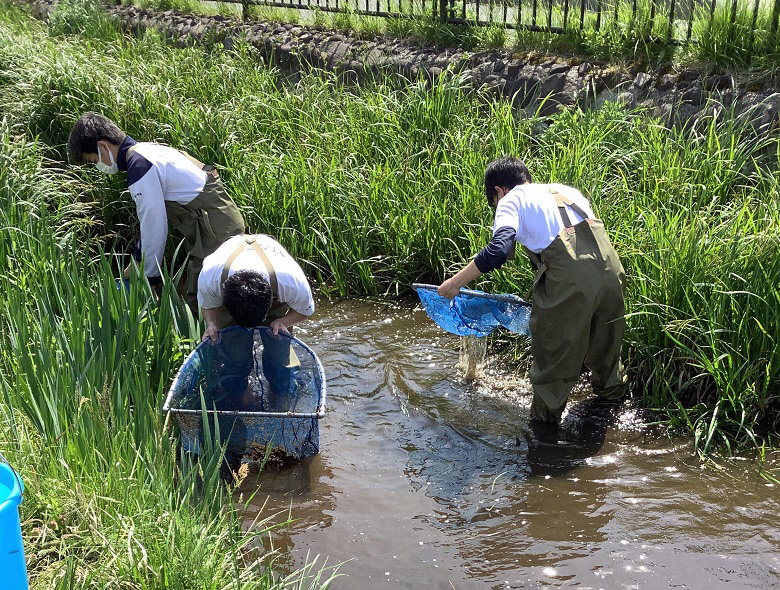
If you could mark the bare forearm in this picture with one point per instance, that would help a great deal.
(453, 285)
(292, 317)
(212, 316)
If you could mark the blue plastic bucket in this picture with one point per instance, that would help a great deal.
(12, 565)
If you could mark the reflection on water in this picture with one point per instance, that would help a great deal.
(425, 481)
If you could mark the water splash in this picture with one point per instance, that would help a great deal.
(472, 356)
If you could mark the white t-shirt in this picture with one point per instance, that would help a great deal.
(531, 210)
(294, 289)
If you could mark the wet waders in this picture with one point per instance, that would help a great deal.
(577, 317)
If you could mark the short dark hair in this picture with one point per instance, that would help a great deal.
(87, 131)
(506, 172)
(246, 296)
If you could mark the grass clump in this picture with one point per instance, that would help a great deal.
(71, 17)
(734, 41)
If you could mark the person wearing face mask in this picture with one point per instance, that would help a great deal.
(167, 186)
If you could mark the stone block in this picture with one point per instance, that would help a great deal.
(690, 75)
(514, 67)
(643, 80)
(553, 84)
(693, 95)
(559, 69)
(666, 82)
(719, 82)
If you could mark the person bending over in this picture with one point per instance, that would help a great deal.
(168, 186)
(577, 316)
(251, 280)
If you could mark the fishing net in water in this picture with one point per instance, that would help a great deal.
(475, 313)
(254, 391)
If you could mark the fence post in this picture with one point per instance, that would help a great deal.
(755, 20)
(732, 21)
(443, 10)
(244, 10)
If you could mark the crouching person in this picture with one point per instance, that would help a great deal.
(577, 317)
(250, 281)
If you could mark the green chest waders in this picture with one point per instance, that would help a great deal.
(206, 222)
(577, 317)
(280, 363)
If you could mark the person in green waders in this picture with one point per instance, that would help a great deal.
(577, 317)
(168, 186)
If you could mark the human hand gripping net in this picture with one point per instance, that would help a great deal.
(475, 313)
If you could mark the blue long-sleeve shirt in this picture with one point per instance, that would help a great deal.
(498, 250)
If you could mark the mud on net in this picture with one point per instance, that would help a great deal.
(257, 390)
(475, 313)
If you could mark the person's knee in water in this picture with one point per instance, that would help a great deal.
(577, 317)
(169, 187)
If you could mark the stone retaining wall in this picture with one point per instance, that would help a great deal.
(677, 98)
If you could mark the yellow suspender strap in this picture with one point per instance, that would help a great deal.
(263, 256)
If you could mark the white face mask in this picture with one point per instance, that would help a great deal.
(105, 168)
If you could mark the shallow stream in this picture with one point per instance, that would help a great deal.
(425, 481)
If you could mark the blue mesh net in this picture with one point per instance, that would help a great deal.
(260, 390)
(475, 313)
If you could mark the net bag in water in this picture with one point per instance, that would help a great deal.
(262, 390)
(475, 313)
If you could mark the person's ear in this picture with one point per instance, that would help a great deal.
(101, 150)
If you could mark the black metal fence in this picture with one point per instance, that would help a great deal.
(669, 21)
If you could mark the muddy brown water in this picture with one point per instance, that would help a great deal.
(425, 481)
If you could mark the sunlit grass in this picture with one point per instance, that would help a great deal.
(376, 186)
(109, 502)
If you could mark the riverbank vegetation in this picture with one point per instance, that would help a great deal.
(374, 188)
(108, 501)
(371, 187)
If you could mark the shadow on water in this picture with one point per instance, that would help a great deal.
(558, 449)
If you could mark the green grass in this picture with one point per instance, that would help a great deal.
(109, 502)
(376, 186)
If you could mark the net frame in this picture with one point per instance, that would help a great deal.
(192, 421)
